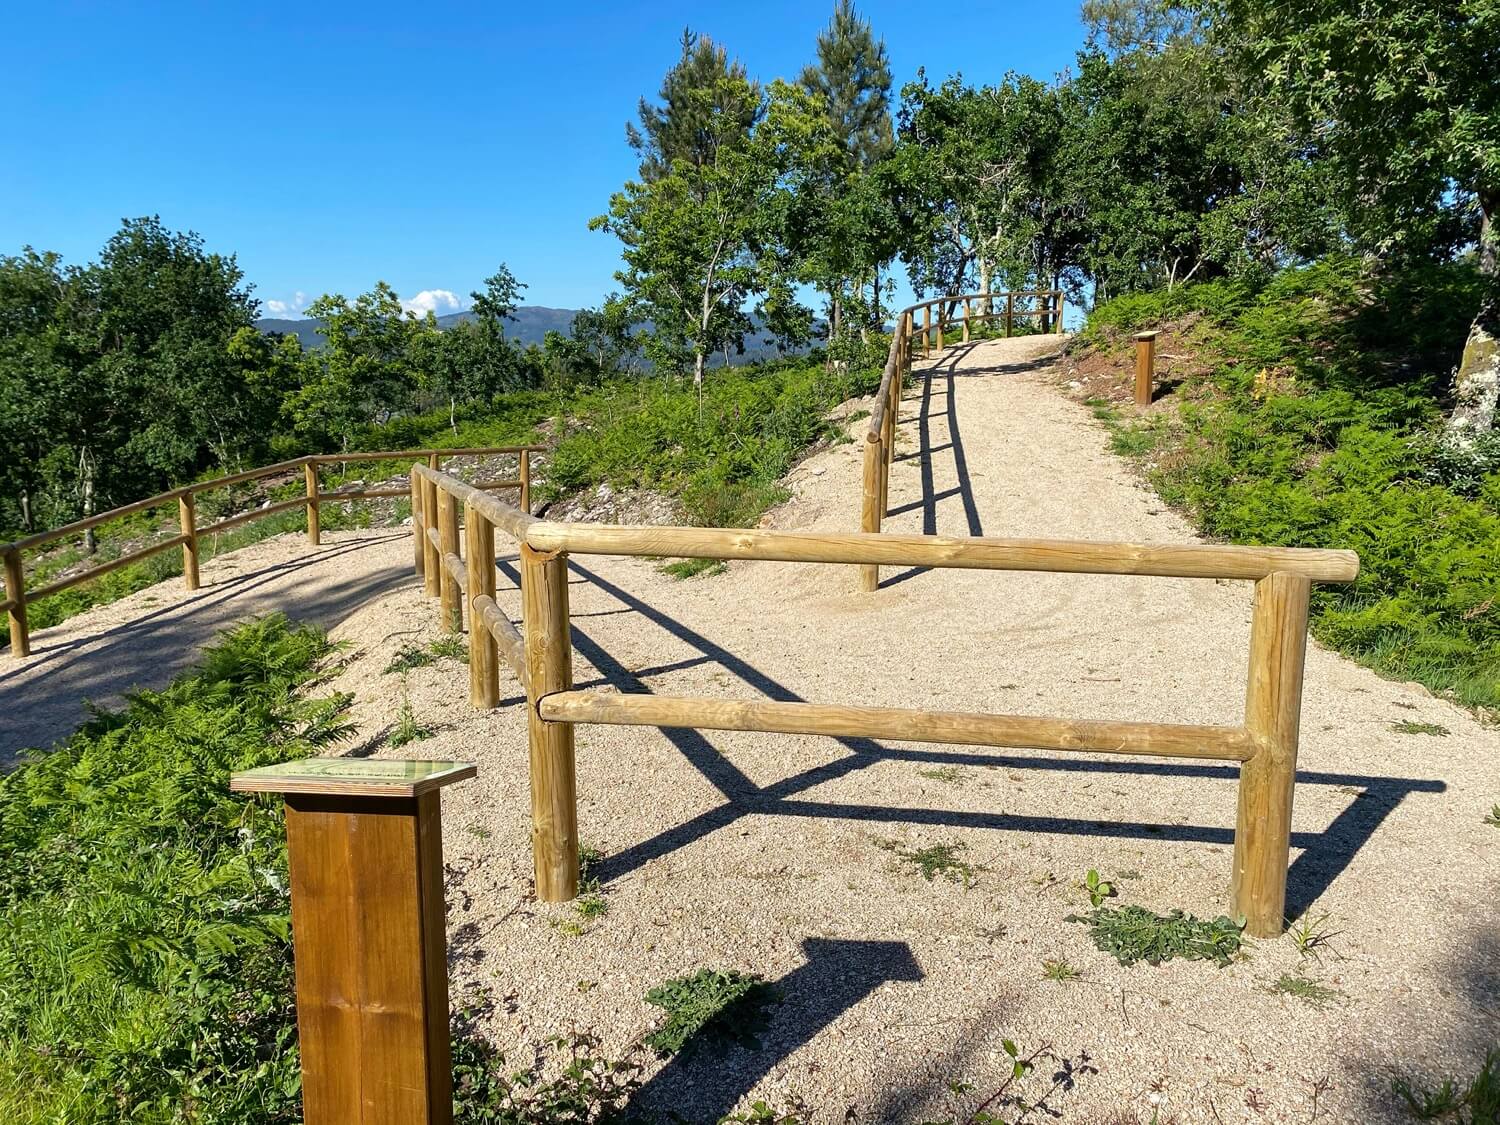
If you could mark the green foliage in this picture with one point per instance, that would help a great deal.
(1312, 936)
(1133, 933)
(1476, 1102)
(1315, 429)
(1309, 991)
(1097, 889)
(711, 1005)
(406, 729)
(935, 860)
(1492, 818)
(410, 656)
(1059, 971)
(1406, 726)
(693, 568)
(146, 968)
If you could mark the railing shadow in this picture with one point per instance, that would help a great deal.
(1323, 857)
(705, 1080)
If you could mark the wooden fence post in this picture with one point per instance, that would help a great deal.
(942, 320)
(369, 936)
(966, 320)
(1061, 306)
(526, 481)
(1273, 707)
(450, 607)
(187, 521)
(434, 462)
(314, 530)
(549, 668)
(15, 594)
(418, 528)
(869, 573)
(432, 569)
(484, 655)
(926, 331)
(1010, 312)
(1145, 366)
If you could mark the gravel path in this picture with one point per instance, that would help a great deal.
(774, 854)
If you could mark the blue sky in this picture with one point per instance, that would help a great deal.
(332, 145)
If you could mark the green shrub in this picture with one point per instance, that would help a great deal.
(145, 972)
(724, 1006)
(1317, 429)
(1133, 933)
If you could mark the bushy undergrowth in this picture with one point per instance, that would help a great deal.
(145, 969)
(1319, 426)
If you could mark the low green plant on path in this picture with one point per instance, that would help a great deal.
(1312, 936)
(1097, 889)
(1407, 726)
(1291, 984)
(1492, 818)
(1132, 934)
(936, 860)
(1059, 970)
(1476, 1102)
(723, 1006)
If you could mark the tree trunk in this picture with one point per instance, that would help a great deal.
(25, 510)
(453, 414)
(1476, 384)
(984, 285)
(86, 471)
(698, 361)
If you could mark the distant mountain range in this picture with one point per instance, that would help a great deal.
(530, 325)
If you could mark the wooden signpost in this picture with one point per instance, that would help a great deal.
(365, 846)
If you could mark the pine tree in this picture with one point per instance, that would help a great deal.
(853, 76)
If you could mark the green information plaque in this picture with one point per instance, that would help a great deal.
(353, 777)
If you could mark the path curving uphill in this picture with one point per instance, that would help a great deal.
(779, 854)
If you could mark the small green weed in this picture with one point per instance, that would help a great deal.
(1058, 969)
(762, 1114)
(1477, 1103)
(725, 1006)
(450, 647)
(935, 860)
(411, 656)
(1493, 819)
(407, 729)
(949, 775)
(1312, 937)
(695, 568)
(1407, 726)
(1133, 933)
(1303, 989)
(1098, 889)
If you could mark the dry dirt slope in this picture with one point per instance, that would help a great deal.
(773, 854)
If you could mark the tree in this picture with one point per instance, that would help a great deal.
(697, 244)
(1401, 96)
(852, 82)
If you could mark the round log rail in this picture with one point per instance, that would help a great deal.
(1059, 556)
(16, 596)
(898, 724)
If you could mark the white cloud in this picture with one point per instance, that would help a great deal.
(288, 308)
(439, 302)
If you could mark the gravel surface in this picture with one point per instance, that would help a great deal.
(779, 854)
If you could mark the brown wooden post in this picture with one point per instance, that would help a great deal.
(450, 607)
(870, 511)
(15, 594)
(1145, 366)
(484, 656)
(187, 522)
(369, 935)
(526, 481)
(887, 440)
(314, 530)
(418, 528)
(926, 331)
(434, 462)
(1273, 707)
(432, 568)
(966, 320)
(1010, 312)
(942, 320)
(1061, 306)
(549, 668)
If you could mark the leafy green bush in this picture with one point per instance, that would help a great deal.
(145, 971)
(1133, 933)
(1317, 428)
(726, 1006)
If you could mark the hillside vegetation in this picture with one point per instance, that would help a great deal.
(1308, 414)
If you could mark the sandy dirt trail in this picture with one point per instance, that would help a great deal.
(778, 854)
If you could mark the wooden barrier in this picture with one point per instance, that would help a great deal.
(189, 536)
(540, 654)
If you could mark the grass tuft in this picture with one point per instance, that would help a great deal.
(936, 860)
(1132, 933)
(1304, 989)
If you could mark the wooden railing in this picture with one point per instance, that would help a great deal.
(540, 655)
(880, 445)
(17, 596)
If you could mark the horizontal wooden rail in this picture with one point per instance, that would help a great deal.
(506, 635)
(899, 724)
(403, 454)
(1056, 556)
(104, 568)
(456, 571)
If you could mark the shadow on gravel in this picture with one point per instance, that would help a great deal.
(149, 650)
(705, 1079)
(1323, 857)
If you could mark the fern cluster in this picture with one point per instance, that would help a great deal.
(145, 970)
